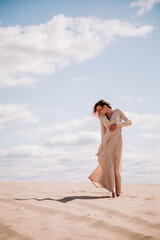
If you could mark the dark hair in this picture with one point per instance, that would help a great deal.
(100, 103)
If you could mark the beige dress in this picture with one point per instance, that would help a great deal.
(108, 172)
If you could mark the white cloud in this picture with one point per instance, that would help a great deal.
(145, 5)
(12, 113)
(149, 135)
(75, 163)
(75, 126)
(81, 79)
(116, 89)
(56, 163)
(81, 128)
(42, 49)
(25, 151)
(125, 98)
(145, 121)
(80, 139)
(128, 139)
(68, 153)
(140, 99)
(141, 165)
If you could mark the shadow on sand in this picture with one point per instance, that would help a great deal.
(63, 200)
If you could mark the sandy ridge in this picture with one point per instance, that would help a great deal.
(77, 211)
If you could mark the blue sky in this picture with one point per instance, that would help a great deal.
(57, 59)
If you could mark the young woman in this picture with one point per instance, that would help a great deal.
(108, 172)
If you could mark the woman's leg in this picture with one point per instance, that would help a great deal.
(117, 172)
(118, 182)
(113, 195)
(118, 167)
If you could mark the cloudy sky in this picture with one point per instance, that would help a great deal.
(57, 58)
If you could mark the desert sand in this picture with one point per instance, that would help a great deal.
(53, 211)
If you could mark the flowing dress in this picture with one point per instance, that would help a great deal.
(108, 172)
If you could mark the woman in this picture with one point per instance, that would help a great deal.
(108, 172)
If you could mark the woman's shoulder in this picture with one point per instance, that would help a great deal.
(117, 110)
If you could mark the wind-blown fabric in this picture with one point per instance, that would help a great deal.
(108, 172)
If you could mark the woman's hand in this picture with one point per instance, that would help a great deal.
(113, 127)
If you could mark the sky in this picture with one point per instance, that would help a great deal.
(57, 59)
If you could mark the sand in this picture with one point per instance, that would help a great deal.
(52, 211)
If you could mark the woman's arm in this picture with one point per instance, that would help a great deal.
(126, 122)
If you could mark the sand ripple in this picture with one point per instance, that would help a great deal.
(54, 211)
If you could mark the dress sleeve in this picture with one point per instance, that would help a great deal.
(126, 122)
(103, 129)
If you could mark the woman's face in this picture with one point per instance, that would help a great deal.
(101, 110)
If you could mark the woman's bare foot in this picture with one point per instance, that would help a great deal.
(113, 195)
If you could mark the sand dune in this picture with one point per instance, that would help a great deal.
(53, 211)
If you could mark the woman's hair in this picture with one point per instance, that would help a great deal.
(100, 103)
